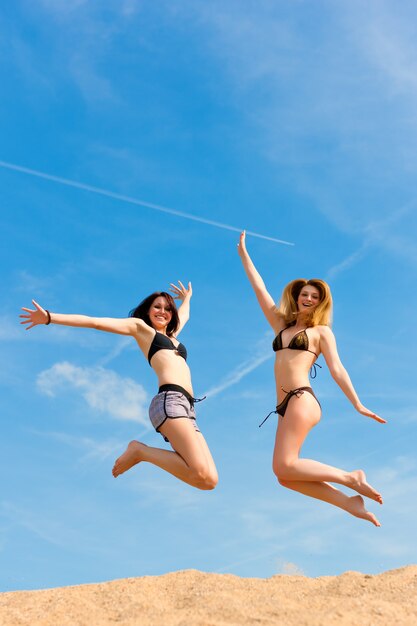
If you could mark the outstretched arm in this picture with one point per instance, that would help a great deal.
(264, 298)
(339, 373)
(39, 315)
(184, 294)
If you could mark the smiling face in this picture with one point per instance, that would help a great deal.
(308, 298)
(160, 313)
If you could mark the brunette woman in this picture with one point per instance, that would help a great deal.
(155, 325)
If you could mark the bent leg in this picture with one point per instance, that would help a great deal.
(191, 447)
(302, 414)
(327, 493)
(190, 461)
(211, 466)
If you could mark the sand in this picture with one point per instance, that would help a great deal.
(193, 598)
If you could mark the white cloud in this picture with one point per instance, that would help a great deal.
(81, 37)
(351, 114)
(399, 478)
(387, 37)
(122, 345)
(51, 533)
(348, 262)
(103, 390)
(381, 233)
(30, 283)
(92, 85)
(289, 569)
(234, 376)
(100, 450)
(237, 374)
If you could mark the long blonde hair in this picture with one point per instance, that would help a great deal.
(321, 314)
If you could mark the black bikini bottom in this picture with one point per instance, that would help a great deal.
(282, 407)
(172, 387)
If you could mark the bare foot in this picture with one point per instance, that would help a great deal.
(130, 457)
(358, 483)
(356, 507)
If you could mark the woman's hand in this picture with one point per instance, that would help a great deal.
(241, 246)
(181, 292)
(364, 411)
(35, 317)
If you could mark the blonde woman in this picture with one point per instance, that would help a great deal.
(155, 325)
(301, 324)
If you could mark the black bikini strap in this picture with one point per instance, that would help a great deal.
(263, 421)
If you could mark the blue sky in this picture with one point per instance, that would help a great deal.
(295, 120)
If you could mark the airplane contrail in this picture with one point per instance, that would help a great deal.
(128, 199)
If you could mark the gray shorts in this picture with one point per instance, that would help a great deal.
(171, 402)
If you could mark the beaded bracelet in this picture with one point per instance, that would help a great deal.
(49, 317)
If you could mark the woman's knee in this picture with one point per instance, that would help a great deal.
(284, 483)
(204, 477)
(209, 482)
(283, 471)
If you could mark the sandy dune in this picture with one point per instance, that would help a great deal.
(192, 598)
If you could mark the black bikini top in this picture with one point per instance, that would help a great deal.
(298, 342)
(162, 342)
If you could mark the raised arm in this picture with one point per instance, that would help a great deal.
(264, 298)
(39, 315)
(184, 294)
(339, 374)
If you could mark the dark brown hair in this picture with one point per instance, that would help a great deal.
(142, 311)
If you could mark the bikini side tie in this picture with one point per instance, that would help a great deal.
(290, 394)
(263, 422)
(313, 369)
